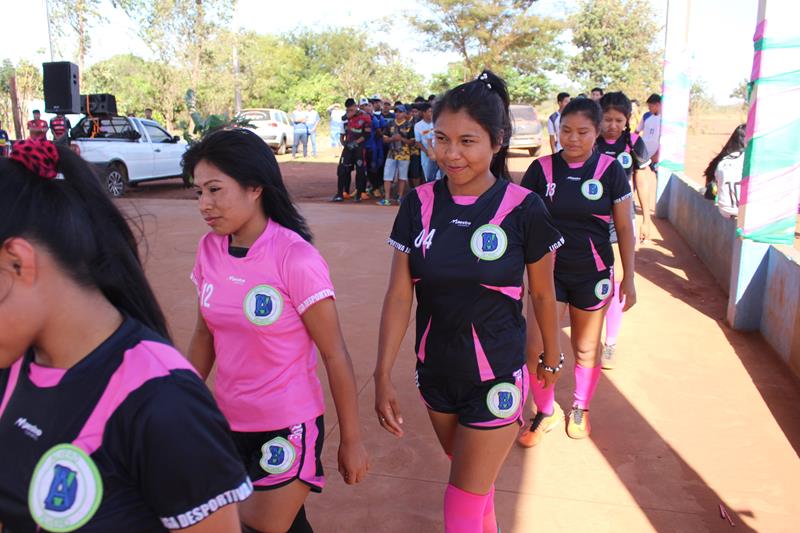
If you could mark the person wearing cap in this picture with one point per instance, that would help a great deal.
(400, 137)
(374, 145)
(37, 128)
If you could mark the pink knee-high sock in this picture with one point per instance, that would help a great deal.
(586, 380)
(489, 518)
(614, 316)
(543, 398)
(463, 511)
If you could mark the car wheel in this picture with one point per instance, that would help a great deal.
(116, 179)
(282, 148)
(534, 151)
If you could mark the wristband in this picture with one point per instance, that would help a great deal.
(547, 368)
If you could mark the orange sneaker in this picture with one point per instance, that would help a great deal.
(364, 196)
(540, 424)
(346, 195)
(578, 426)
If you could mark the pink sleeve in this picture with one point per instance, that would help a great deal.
(306, 276)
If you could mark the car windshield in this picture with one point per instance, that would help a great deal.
(256, 115)
(523, 113)
(105, 128)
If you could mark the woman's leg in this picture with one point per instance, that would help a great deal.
(613, 322)
(274, 511)
(585, 339)
(478, 455)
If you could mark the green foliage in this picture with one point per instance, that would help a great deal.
(502, 35)
(203, 125)
(72, 22)
(616, 46)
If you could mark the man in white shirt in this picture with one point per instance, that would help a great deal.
(423, 134)
(554, 122)
(650, 128)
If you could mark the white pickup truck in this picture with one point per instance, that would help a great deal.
(128, 150)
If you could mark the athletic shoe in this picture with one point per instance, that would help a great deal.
(347, 195)
(385, 202)
(337, 198)
(364, 196)
(578, 426)
(608, 358)
(540, 424)
(376, 193)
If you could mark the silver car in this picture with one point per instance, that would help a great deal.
(273, 126)
(527, 130)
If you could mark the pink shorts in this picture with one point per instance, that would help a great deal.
(276, 458)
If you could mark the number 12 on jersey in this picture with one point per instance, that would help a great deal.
(205, 294)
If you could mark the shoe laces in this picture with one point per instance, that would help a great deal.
(577, 415)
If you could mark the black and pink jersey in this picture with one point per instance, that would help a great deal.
(467, 260)
(128, 439)
(580, 200)
(630, 155)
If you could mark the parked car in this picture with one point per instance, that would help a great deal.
(273, 126)
(127, 150)
(527, 130)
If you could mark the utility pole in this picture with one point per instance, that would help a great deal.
(237, 92)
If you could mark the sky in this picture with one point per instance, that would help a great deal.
(720, 33)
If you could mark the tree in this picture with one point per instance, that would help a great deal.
(77, 16)
(741, 91)
(616, 46)
(497, 34)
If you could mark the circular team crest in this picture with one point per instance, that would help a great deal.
(625, 160)
(66, 489)
(263, 305)
(603, 289)
(592, 189)
(277, 456)
(503, 400)
(489, 242)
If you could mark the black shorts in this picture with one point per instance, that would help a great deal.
(483, 405)
(276, 458)
(589, 291)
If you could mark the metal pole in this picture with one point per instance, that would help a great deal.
(49, 31)
(237, 93)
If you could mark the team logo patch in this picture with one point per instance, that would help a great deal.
(592, 189)
(263, 305)
(277, 456)
(489, 242)
(503, 400)
(625, 160)
(66, 489)
(603, 289)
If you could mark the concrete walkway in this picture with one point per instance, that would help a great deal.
(695, 416)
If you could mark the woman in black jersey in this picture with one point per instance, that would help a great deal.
(464, 245)
(584, 191)
(104, 426)
(630, 151)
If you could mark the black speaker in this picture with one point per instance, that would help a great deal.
(98, 104)
(61, 87)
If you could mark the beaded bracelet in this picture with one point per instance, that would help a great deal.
(547, 368)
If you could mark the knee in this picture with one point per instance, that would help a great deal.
(587, 352)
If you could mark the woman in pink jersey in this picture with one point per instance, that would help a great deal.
(104, 426)
(265, 300)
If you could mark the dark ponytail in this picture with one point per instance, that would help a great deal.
(736, 143)
(486, 100)
(76, 221)
(242, 155)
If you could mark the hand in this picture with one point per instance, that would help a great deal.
(353, 461)
(386, 407)
(627, 293)
(644, 232)
(548, 378)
